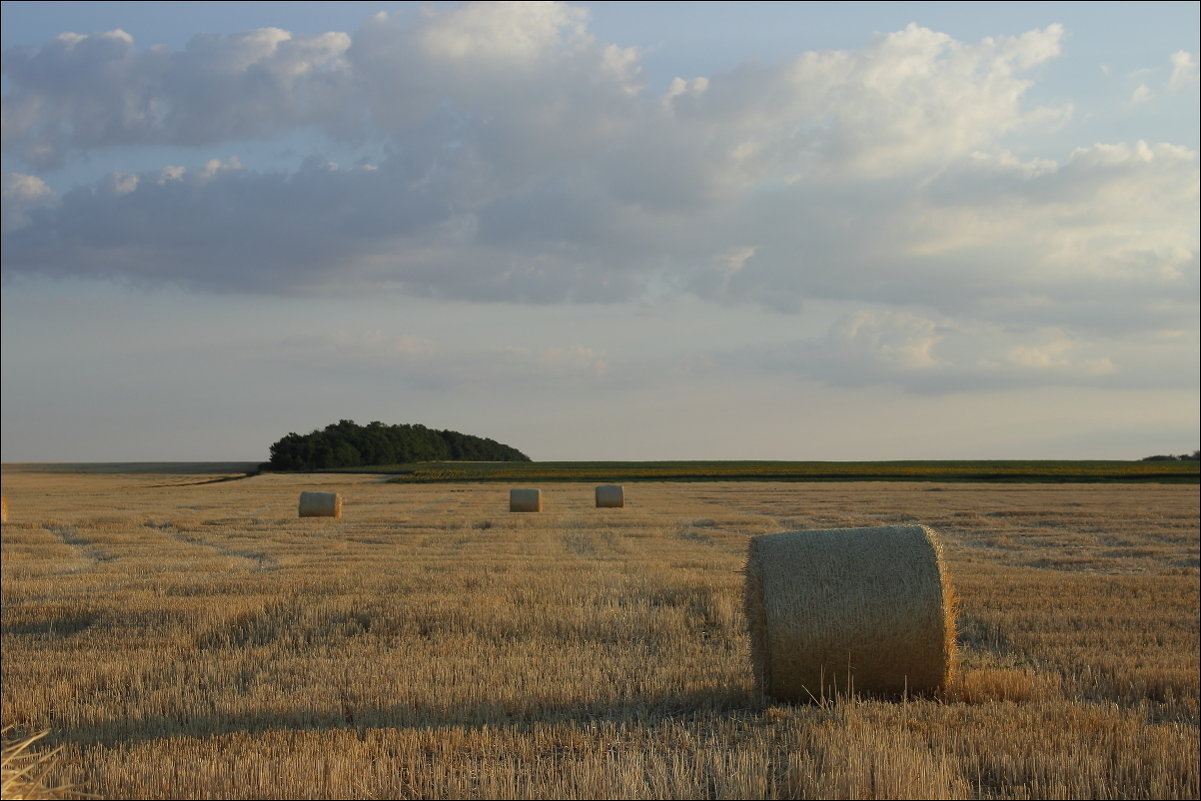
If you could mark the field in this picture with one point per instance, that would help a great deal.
(182, 637)
(1039, 471)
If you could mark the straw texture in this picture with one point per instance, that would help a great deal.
(3, 508)
(320, 504)
(866, 610)
(610, 496)
(525, 500)
(24, 770)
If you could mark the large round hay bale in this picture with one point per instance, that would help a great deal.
(320, 504)
(3, 508)
(864, 610)
(525, 500)
(610, 496)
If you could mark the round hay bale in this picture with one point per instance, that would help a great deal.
(525, 500)
(320, 504)
(610, 496)
(861, 610)
(3, 508)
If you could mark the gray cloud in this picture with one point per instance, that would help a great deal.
(511, 156)
(21, 195)
(881, 347)
(83, 92)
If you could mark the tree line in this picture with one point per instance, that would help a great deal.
(1168, 457)
(346, 444)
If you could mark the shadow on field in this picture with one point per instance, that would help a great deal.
(342, 713)
(346, 711)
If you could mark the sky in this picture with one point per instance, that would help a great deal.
(798, 231)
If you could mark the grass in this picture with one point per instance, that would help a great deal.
(138, 468)
(24, 769)
(180, 639)
(1024, 471)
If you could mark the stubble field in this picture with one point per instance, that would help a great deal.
(183, 639)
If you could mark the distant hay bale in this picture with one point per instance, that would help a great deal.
(320, 504)
(3, 508)
(867, 610)
(610, 496)
(525, 500)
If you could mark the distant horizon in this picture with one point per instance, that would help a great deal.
(1184, 456)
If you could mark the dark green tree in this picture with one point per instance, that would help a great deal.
(346, 444)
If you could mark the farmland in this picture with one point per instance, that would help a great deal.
(181, 636)
(992, 471)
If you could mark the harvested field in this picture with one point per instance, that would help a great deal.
(182, 639)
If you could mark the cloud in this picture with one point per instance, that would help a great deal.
(931, 356)
(1106, 239)
(1184, 70)
(867, 347)
(1057, 354)
(219, 228)
(433, 362)
(503, 153)
(890, 339)
(21, 195)
(85, 92)
(520, 86)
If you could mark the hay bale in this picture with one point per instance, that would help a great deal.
(3, 508)
(320, 504)
(611, 496)
(862, 609)
(525, 500)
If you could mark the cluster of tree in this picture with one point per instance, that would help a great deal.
(1167, 457)
(345, 444)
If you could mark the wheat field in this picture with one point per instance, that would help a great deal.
(180, 638)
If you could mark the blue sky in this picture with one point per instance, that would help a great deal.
(602, 230)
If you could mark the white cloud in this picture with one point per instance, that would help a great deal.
(931, 356)
(21, 194)
(119, 183)
(489, 77)
(1142, 94)
(1058, 354)
(214, 167)
(1041, 356)
(504, 33)
(80, 93)
(1184, 70)
(522, 161)
(891, 339)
